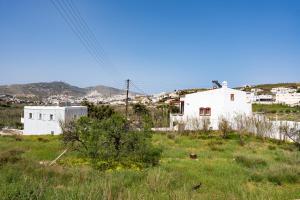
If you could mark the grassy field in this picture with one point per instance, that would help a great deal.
(224, 170)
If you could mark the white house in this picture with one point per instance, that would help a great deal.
(283, 90)
(210, 105)
(292, 99)
(39, 120)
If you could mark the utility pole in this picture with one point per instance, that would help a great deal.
(127, 93)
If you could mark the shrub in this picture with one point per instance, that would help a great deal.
(108, 142)
(171, 136)
(98, 111)
(224, 127)
(271, 147)
(10, 156)
(250, 162)
(41, 139)
(278, 174)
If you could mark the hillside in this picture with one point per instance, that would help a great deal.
(105, 90)
(46, 89)
(267, 87)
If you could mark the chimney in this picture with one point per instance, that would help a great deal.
(224, 84)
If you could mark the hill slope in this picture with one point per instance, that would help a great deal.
(45, 89)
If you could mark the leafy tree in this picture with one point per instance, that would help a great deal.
(98, 111)
(107, 142)
(140, 109)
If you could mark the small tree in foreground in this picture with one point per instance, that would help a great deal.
(291, 131)
(224, 127)
(108, 143)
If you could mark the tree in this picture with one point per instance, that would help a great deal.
(98, 111)
(140, 109)
(224, 127)
(107, 142)
(292, 131)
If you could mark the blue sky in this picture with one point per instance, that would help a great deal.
(161, 45)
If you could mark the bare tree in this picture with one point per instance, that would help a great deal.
(202, 123)
(224, 127)
(292, 131)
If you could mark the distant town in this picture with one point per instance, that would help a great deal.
(285, 93)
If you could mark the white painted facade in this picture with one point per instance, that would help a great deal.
(283, 90)
(40, 120)
(291, 99)
(220, 103)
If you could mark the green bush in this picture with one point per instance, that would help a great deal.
(278, 174)
(108, 143)
(10, 156)
(250, 162)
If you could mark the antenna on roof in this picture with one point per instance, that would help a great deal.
(216, 84)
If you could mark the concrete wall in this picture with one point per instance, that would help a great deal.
(44, 125)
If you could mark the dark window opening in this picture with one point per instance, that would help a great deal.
(204, 111)
(51, 116)
(30, 115)
(181, 107)
(232, 97)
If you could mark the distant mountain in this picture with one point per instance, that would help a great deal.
(105, 90)
(46, 89)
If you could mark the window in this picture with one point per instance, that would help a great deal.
(51, 116)
(30, 115)
(40, 116)
(232, 97)
(181, 107)
(204, 111)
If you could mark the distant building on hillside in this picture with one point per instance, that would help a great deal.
(291, 99)
(39, 120)
(283, 90)
(211, 105)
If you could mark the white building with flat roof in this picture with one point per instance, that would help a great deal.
(291, 99)
(211, 105)
(40, 120)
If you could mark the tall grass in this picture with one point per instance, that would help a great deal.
(236, 172)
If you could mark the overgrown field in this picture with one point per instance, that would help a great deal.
(224, 170)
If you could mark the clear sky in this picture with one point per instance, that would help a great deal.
(161, 45)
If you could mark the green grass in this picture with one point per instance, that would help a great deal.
(278, 111)
(225, 170)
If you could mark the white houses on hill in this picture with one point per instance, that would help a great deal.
(211, 105)
(39, 120)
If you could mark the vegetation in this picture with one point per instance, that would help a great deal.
(223, 170)
(108, 143)
(278, 111)
(10, 115)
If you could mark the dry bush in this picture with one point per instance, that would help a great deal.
(291, 131)
(224, 127)
(202, 124)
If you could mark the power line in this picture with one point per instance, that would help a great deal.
(75, 30)
(91, 34)
(138, 88)
(72, 16)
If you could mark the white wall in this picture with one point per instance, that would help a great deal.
(220, 103)
(37, 126)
